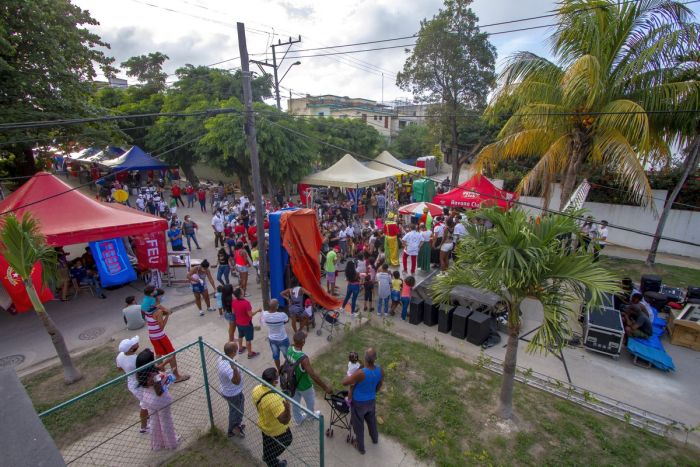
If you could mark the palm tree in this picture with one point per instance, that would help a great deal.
(523, 258)
(589, 108)
(23, 246)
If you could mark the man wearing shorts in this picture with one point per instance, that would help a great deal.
(276, 333)
(330, 268)
(156, 318)
(126, 362)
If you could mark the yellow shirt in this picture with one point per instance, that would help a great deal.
(396, 284)
(269, 408)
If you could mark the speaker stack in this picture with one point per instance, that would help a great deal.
(650, 283)
(459, 321)
(430, 312)
(478, 328)
(415, 311)
(656, 299)
(693, 295)
(445, 317)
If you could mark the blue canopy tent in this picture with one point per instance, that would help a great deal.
(136, 159)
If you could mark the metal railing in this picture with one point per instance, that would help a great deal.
(102, 426)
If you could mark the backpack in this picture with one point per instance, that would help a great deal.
(288, 379)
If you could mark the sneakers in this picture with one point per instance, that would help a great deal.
(241, 350)
(253, 355)
(303, 419)
(211, 309)
(201, 312)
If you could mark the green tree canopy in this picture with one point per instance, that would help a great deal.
(612, 68)
(352, 135)
(47, 64)
(147, 69)
(451, 65)
(413, 141)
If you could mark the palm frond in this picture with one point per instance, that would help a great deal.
(583, 83)
(551, 163)
(629, 119)
(23, 245)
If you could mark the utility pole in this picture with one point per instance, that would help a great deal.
(249, 127)
(275, 66)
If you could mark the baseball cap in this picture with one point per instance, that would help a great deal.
(127, 344)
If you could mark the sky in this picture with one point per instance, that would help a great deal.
(202, 32)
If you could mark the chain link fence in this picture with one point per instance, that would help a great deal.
(102, 426)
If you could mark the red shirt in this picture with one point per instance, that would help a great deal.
(252, 233)
(240, 310)
(189, 190)
(239, 229)
(202, 195)
(175, 191)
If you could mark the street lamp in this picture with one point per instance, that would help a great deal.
(285, 73)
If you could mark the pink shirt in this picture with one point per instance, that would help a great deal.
(405, 290)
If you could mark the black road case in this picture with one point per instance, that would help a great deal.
(604, 331)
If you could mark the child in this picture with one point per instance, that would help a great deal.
(406, 290)
(396, 284)
(309, 313)
(383, 290)
(368, 285)
(354, 364)
(219, 302)
(255, 257)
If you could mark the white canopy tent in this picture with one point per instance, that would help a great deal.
(346, 173)
(391, 166)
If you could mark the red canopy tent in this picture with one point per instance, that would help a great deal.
(475, 192)
(70, 217)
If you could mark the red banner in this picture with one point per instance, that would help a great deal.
(151, 251)
(16, 290)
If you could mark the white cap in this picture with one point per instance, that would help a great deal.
(127, 344)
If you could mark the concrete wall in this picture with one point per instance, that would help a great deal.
(683, 225)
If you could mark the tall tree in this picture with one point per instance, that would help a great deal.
(683, 128)
(609, 53)
(147, 69)
(285, 156)
(523, 258)
(197, 88)
(23, 246)
(47, 62)
(352, 135)
(451, 65)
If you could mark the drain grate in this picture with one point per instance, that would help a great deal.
(91, 334)
(12, 361)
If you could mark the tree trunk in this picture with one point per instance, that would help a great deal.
(189, 174)
(568, 183)
(690, 164)
(456, 166)
(70, 372)
(509, 365)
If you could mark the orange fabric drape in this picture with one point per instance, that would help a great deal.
(302, 240)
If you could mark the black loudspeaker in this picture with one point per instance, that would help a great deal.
(650, 283)
(656, 299)
(459, 321)
(415, 311)
(445, 318)
(479, 328)
(430, 312)
(693, 292)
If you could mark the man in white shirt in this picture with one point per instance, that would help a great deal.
(276, 332)
(231, 380)
(460, 230)
(601, 240)
(140, 203)
(217, 223)
(411, 246)
(126, 362)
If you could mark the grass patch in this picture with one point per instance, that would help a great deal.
(675, 276)
(46, 389)
(213, 449)
(442, 408)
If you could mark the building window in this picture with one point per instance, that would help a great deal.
(402, 124)
(386, 122)
(320, 114)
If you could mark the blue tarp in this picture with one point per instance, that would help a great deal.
(651, 349)
(277, 255)
(112, 262)
(136, 159)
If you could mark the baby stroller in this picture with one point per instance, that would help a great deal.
(330, 319)
(340, 411)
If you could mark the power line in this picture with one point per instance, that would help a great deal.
(497, 198)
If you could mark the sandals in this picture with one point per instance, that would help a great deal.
(253, 355)
(182, 378)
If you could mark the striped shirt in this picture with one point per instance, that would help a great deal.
(155, 332)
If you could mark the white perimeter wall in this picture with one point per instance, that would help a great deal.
(684, 225)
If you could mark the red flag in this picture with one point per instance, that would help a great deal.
(16, 290)
(151, 251)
